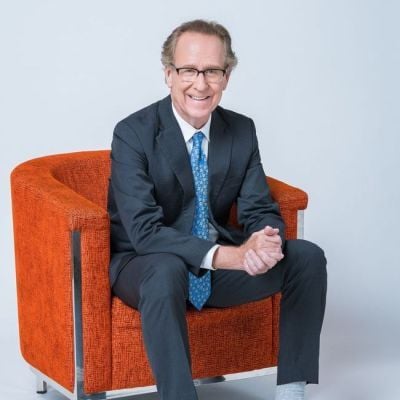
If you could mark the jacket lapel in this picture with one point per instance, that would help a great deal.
(173, 146)
(219, 154)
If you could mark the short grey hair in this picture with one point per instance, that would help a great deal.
(199, 26)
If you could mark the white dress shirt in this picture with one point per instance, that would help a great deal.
(188, 131)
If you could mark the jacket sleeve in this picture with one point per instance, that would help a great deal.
(141, 216)
(255, 206)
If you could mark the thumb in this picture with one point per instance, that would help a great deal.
(268, 230)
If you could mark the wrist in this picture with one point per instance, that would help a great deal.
(228, 257)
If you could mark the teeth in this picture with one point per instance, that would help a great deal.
(198, 98)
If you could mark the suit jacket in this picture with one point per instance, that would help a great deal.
(151, 197)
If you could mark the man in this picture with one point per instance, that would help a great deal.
(178, 165)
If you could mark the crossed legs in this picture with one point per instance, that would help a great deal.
(157, 286)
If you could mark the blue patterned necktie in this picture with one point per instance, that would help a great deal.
(199, 288)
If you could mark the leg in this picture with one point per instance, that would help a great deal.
(41, 385)
(157, 285)
(302, 313)
(301, 277)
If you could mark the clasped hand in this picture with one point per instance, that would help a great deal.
(262, 251)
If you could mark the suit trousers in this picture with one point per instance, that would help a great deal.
(157, 286)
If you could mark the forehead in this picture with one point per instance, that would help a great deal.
(199, 49)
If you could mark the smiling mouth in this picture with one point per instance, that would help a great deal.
(198, 98)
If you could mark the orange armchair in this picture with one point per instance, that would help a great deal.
(73, 333)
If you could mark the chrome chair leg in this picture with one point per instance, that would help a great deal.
(41, 385)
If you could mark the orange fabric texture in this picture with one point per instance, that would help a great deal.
(55, 195)
(222, 341)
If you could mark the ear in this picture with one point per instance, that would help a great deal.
(226, 80)
(168, 76)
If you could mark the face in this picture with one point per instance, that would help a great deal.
(195, 101)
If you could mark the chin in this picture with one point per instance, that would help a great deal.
(199, 119)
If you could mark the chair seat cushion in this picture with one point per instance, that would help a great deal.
(219, 340)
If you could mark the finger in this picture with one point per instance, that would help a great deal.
(266, 240)
(273, 239)
(247, 268)
(273, 247)
(254, 261)
(266, 258)
(278, 256)
(272, 236)
(268, 230)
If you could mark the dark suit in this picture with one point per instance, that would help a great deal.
(151, 206)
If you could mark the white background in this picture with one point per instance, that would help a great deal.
(320, 79)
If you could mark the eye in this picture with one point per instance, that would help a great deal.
(188, 71)
(213, 72)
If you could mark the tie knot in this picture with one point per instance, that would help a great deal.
(197, 138)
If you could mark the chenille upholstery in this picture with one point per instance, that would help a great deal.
(55, 195)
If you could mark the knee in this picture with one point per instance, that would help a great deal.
(167, 277)
(309, 258)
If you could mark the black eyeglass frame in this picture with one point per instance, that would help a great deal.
(199, 71)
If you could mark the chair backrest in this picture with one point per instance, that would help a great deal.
(87, 173)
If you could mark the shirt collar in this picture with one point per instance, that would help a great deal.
(188, 130)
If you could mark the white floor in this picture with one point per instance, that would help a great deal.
(362, 382)
(354, 372)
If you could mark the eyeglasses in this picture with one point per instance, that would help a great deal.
(211, 75)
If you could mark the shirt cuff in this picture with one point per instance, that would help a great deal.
(208, 258)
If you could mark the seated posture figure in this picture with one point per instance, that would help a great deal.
(178, 165)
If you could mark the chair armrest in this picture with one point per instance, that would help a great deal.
(290, 200)
(45, 213)
(286, 195)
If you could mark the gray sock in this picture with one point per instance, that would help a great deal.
(290, 391)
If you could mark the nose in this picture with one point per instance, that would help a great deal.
(200, 82)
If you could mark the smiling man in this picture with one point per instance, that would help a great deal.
(196, 95)
(177, 167)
